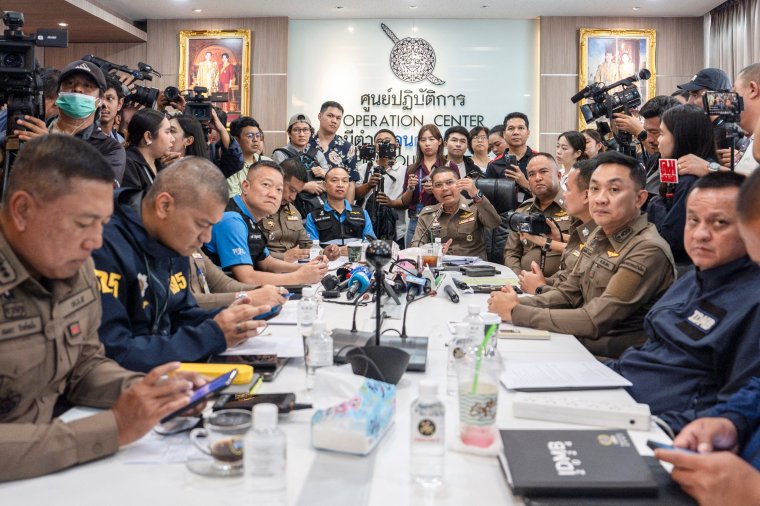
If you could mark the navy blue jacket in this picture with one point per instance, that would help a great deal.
(703, 343)
(743, 409)
(149, 315)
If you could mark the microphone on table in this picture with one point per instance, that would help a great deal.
(453, 295)
(358, 282)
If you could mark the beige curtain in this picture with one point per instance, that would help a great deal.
(734, 41)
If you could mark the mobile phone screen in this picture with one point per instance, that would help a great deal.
(207, 390)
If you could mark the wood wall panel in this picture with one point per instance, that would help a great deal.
(122, 53)
(680, 53)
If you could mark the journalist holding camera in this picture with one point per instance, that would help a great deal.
(529, 241)
(381, 185)
(80, 95)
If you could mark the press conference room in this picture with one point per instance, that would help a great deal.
(413, 252)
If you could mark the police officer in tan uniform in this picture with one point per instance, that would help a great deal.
(212, 288)
(286, 236)
(581, 227)
(58, 198)
(624, 268)
(519, 251)
(458, 221)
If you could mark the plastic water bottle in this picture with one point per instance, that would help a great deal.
(458, 348)
(438, 251)
(428, 431)
(265, 450)
(315, 250)
(308, 311)
(319, 351)
(475, 324)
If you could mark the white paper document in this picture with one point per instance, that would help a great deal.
(567, 375)
(288, 315)
(281, 340)
(156, 449)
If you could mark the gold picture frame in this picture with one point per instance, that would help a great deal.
(630, 50)
(219, 60)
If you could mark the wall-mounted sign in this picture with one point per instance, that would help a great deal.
(444, 72)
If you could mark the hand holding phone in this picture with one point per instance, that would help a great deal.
(200, 395)
(654, 445)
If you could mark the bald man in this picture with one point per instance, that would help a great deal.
(149, 314)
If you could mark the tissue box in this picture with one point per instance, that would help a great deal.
(352, 413)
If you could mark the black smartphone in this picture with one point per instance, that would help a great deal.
(212, 387)
(654, 445)
(284, 402)
(511, 160)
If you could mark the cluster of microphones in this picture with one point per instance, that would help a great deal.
(404, 277)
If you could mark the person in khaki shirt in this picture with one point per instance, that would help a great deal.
(286, 236)
(519, 251)
(58, 198)
(458, 222)
(624, 268)
(581, 227)
(212, 288)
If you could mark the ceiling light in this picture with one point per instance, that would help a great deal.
(636, 8)
(484, 7)
(197, 10)
(338, 6)
(412, 6)
(350, 28)
(62, 24)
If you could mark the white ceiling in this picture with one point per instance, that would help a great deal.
(388, 9)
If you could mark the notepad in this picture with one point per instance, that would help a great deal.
(560, 375)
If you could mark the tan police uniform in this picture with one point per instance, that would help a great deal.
(579, 233)
(609, 291)
(464, 227)
(284, 230)
(211, 287)
(49, 347)
(519, 254)
(607, 73)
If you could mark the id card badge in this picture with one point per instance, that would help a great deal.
(668, 170)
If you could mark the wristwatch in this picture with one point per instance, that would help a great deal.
(547, 245)
(478, 197)
(713, 166)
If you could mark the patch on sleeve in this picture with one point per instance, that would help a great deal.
(624, 284)
(635, 266)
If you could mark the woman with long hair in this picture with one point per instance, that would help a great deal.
(189, 139)
(419, 188)
(686, 135)
(571, 147)
(148, 139)
(594, 143)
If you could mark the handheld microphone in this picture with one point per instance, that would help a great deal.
(358, 282)
(330, 282)
(453, 295)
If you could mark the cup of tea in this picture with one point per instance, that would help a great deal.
(354, 252)
(222, 439)
(430, 256)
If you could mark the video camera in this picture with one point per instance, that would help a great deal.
(385, 149)
(141, 95)
(606, 104)
(534, 224)
(20, 81)
(198, 102)
(728, 107)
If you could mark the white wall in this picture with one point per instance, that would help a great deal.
(493, 64)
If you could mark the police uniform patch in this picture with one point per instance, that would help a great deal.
(612, 254)
(603, 262)
(21, 328)
(634, 266)
(142, 282)
(576, 253)
(197, 256)
(702, 320)
(13, 310)
(622, 235)
(469, 238)
(467, 220)
(75, 329)
(77, 301)
(292, 218)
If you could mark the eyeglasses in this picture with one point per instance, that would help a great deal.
(448, 184)
(480, 138)
(251, 136)
(301, 130)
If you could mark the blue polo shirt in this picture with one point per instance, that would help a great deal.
(311, 227)
(229, 239)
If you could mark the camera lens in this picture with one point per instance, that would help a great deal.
(13, 60)
(171, 93)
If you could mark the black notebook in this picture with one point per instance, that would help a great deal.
(574, 463)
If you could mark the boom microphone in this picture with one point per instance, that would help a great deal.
(358, 282)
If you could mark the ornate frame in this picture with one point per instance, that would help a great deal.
(588, 34)
(185, 36)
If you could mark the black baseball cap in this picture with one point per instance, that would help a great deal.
(708, 79)
(84, 67)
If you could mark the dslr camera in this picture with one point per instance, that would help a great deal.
(534, 224)
(142, 95)
(20, 81)
(384, 149)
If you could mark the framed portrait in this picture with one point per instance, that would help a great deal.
(218, 60)
(608, 56)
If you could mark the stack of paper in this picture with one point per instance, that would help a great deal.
(567, 375)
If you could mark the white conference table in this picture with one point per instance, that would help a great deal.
(326, 478)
